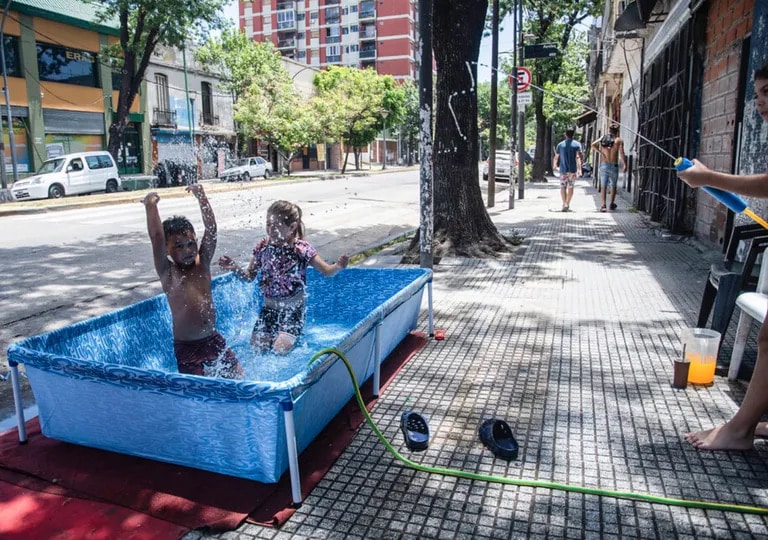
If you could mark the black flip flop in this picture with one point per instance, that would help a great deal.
(415, 430)
(497, 436)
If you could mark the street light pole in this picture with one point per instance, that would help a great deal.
(521, 123)
(494, 106)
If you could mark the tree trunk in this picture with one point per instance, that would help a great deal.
(462, 225)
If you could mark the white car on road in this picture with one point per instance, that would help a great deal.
(247, 169)
(71, 174)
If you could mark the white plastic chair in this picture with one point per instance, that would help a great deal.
(753, 305)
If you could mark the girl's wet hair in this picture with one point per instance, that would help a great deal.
(288, 213)
(762, 73)
(177, 225)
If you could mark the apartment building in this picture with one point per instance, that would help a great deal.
(368, 33)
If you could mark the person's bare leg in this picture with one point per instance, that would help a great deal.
(613, 196)
(603, 188)
(738, 433)
(569, 196)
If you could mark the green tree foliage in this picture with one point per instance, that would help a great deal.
(241, 60)
(409, 128)
(562, 99)
(144, 24)
(355, 104)
(267, 105)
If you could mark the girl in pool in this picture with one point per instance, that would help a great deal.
(282, 257)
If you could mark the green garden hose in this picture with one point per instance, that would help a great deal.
(705, 505)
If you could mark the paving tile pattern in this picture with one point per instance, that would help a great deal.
(570, 339)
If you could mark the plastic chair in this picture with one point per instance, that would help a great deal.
(726, 280)
(754, 306)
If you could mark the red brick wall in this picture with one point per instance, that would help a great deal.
(728, 23)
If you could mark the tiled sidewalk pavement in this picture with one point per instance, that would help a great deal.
(570, 340)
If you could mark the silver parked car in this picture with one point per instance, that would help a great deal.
(247, 169)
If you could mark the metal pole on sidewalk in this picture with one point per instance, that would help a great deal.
(521, 125)
(494, 104)
(513, 106)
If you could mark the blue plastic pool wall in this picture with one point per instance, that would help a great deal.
(110, 382)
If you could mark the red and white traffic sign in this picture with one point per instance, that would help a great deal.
(523, 79)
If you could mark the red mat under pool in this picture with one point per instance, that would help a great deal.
(53, 489)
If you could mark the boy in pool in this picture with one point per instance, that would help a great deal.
(282, 257)
(185, 274)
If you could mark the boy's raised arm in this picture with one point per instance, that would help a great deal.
(156, 234)
(210, 236)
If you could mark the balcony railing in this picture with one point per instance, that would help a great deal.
(286, 4)
(367, 14)
(367, 53)
(162, 117)
(333, 39)
(286, 44)
(367, 33)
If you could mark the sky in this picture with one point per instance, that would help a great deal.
(483, 60)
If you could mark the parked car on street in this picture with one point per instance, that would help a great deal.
(247, 169)
(503, 167)
(70, 174)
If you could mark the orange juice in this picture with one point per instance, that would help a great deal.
(702, 370)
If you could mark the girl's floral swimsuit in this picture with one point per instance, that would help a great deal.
(283, 283)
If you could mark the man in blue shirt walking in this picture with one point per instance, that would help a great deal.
(568, 159)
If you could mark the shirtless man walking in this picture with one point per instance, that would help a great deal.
(611, 148)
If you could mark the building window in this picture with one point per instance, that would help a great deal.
(313, 16)
(302, 54)
(163, 99)
(332, 34)
(353, 8)
(65, 65)
(353, 28)
(333, 53)
(332, 15)
(286, 19)
(207, 94)
(11, 48)
(300, 16)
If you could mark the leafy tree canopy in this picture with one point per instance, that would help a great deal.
(358, 102)
(242, 60)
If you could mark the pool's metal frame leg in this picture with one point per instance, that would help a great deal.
(293, 454)
(377, 360)
(21, 424)
(429, 310)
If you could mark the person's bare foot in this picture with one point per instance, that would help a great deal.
(761, 430)
(718, 438)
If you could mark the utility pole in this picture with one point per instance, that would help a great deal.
(513, 105)
(427, 218)
(494, 104)
(521, 124)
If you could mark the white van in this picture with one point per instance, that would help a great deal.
(71, 174)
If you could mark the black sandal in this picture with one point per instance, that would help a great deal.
(415, 430)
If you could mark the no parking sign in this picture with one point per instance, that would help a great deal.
(523, 79)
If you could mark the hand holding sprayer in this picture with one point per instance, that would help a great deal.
(731, 200)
